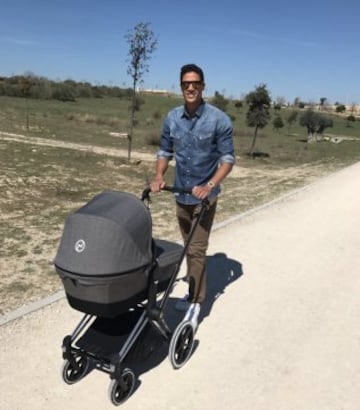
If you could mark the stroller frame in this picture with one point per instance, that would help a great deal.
(78, 353)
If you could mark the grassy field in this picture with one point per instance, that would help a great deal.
(91, 121)
(41, 184)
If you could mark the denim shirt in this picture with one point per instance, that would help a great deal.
(200, 144)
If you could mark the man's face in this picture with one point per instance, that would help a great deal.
(192, 88)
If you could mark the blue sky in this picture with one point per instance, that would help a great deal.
(307, 49)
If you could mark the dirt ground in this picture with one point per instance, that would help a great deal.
(25, 279)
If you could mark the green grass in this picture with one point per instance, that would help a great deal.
(90, 121)
(87, 121)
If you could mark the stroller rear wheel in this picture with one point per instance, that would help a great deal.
(181, 344)
(74, 371)
(121, 390)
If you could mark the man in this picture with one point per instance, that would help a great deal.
(200, 135)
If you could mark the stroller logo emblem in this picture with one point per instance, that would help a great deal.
(80, 245)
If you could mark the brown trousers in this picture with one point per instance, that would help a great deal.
(196, 253)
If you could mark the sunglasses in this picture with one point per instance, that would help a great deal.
(196, 84)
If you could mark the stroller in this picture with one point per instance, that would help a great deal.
(121, 278)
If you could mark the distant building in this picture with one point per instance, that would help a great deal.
(165, 93)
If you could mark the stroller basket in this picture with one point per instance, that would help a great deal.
(106, 254)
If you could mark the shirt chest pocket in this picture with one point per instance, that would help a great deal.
(204, 140)
(194, 141)
(179, 139)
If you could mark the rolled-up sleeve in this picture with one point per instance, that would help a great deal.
(225, 144)
(166, 149)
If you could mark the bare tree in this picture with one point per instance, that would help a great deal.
(280, 100)
(142, 43)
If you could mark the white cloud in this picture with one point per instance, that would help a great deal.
(18, 41)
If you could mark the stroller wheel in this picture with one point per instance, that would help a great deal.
(121, 390)
(181, 344)
(72, 373)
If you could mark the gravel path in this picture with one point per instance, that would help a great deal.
(116, 152)
(280, 330)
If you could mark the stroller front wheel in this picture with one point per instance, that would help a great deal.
(181, 344)
(72, 372)
(121, 390)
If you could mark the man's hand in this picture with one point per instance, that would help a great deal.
(157, 184)
(202, 191)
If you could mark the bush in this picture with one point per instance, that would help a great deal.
(350, 118)
(340, 108)
(64, 93)
(278, 123)
(153, 140)
(220, 101)
(157, 115)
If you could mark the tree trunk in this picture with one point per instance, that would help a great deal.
(132, 120)
(251, 151)
(311, 137)
(129, 145)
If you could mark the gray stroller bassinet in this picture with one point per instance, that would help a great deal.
(107, 252)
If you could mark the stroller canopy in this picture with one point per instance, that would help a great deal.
(109, 235)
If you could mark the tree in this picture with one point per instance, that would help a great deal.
(238, 104)
(340, 108)
(278, 123)
(258, 114)
(322, 102)
(297, 101)
(350, 118)
(64, 92)
(315, 124)
(291, 118)
(280, 102)
(220, 101)
(142, 43)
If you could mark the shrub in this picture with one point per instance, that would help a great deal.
(341, 108)
(157, 115)
(153, 140)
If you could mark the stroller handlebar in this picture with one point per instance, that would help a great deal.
(146, 193)
(175, 189)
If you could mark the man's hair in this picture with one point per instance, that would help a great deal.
(187, 68)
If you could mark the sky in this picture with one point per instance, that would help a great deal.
(307, 49)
